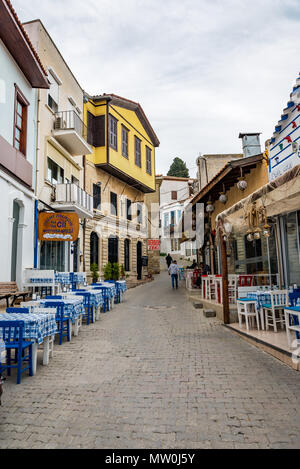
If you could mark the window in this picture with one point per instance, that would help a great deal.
(179, 213)
(55, 174)
(166, 219)
(20, 123)
(148, 161)
(97, 196)
(53, 93)
(96, 130)
(113, 132)
(94, 248)
(113, 249)
(75, 181)
(139, 210)
(174, 195)
(125, 135)
(172, 218)
(138, 158)
(127, 255)
(114, 204)
(128, 210)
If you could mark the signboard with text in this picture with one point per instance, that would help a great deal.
(153, 245)
(58, 227)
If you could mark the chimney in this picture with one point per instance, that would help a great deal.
(251, 144)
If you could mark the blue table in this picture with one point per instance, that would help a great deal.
(38, 328)
(109, 293)
(121, 289)
(73, 308)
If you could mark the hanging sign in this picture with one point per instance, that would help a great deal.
(58, 227)
(153, 245)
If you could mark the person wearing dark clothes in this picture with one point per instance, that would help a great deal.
(193, 266)
(169, 260)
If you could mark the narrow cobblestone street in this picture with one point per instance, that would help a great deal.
(154, 373)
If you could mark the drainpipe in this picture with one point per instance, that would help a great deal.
(36, 232)
(36, 211)
(84, 221)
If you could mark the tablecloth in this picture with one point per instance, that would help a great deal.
(73, 308)
(37, 326)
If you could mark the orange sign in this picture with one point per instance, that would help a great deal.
(58, 227)
(153, 245)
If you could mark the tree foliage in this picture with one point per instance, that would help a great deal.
(179, 169)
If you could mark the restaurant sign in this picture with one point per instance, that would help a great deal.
(153, 245)
(58, 226)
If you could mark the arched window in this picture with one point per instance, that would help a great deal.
(94, 248)
(127, 255)
(113, 249)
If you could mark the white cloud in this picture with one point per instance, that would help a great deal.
(203, 71)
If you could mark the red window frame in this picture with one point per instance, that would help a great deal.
(20, 121)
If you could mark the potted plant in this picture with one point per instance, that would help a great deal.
(123, 272)
(108, 271)
(95, 272)
(115, 271)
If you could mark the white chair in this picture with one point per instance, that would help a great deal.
(212, 288)
(232, 288)
(274, 312)
(248, 309)
(48, 343)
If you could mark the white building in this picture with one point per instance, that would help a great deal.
(21, 72)
(62, 142)
(175, 194)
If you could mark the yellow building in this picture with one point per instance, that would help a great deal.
(119, 172)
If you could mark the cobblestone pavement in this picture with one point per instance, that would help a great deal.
(154, 373)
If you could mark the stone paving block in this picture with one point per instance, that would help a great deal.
(153, 374)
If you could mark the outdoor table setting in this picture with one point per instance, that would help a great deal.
(121, 289)
(73, 310)
(109, 292)
(263, 297)
(96, 299)
(39, 327)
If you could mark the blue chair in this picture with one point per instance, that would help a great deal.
(63, 322)
(57, 297)
(106, 305)
(87, 306)
(12, 333)
(17, 310)
(294, 297)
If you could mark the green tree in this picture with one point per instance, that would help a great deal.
(179, 169)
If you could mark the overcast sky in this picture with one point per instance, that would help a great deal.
(203, 70)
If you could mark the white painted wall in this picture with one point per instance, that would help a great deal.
(10, 74)
(168, 186)
(285, 158)
(10, 189)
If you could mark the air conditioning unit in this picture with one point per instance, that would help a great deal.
(58, 123)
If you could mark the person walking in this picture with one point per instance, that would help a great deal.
(174, 272)
(169, 260)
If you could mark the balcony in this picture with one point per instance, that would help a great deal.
(71, 133)
(71, 198)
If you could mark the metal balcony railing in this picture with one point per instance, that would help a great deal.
(69, 120)
(71, 193)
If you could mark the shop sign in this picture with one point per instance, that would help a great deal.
(153, 245)
(58, 227)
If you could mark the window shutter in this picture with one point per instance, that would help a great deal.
(99, 131)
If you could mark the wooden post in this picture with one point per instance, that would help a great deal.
(226, 313)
